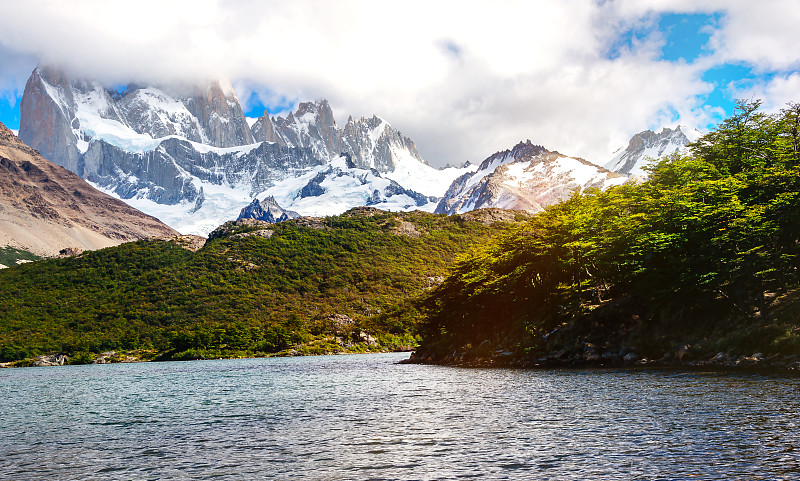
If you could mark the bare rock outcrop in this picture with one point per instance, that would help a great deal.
(189, 242)
(50, 360)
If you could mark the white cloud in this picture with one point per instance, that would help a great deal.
(14, 71)
(763, 34)
(776, 92)
(463, 79)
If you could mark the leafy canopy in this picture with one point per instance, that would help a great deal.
(697, 251)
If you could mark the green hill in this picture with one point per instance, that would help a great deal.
(704, 254)
(339, 284)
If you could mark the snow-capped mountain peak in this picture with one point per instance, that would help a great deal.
(526, 177)
(191, 158)
(647, 146)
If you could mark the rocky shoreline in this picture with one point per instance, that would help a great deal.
(107, 357)
(114, 357)
(624, 358)
(683, 358)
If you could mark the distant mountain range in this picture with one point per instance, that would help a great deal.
(45, 208)
(529, 177)
(192, 159)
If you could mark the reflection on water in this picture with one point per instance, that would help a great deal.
(364, 417)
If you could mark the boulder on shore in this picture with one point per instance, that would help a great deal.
(51, 360)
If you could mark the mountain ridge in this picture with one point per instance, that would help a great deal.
(526, 177)
(157, 149)
(267, 210)
(45, 208)
(646, 146)
(192, 159)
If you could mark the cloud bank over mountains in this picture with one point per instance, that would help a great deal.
(463, 79)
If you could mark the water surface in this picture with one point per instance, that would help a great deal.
(364, 417)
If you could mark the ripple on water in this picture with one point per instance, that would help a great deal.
(365, 417)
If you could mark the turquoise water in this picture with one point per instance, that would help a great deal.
(364, 417)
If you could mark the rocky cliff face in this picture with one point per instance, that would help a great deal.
(267, 210)
(155, 114)
(45, 208)
(263, 130)
(174, 172)
(369, 143)
(220, 116)
(647, 146)
(47, 112)
(155, 147)
(147, 143)
(528, 177)
(84, 111)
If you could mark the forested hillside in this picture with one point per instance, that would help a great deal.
(312, 285)
(701, 258)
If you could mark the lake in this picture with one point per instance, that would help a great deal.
(364, 417)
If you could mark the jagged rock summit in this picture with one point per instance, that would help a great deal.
(61, 117)
(190, 157)
(267, 210)
(44, 208)
(647, 146)
(368, 143)
(527, 177)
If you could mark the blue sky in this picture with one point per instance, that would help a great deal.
(463, 79)
(687, 39)
(9, 110)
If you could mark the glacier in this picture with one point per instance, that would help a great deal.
(193, 160)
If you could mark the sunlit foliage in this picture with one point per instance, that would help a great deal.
(698, 251)
(238, 295)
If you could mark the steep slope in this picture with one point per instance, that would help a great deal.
(527, 177)
(647, 146)
(369, 142)
(267, 210)
(190, 158)
(47, 110)
(78, 111)
(45, 208)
